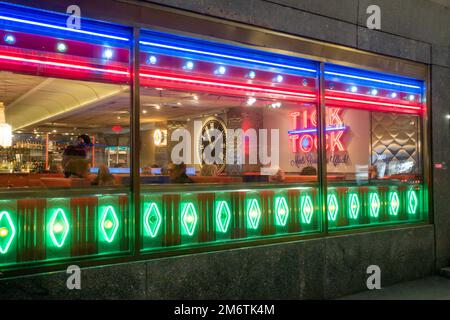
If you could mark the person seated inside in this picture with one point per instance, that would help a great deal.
(104, 177)
(77, 153)
(208, 170)
(77, 168)
(279, 176)
(178, 173)
(309, 171)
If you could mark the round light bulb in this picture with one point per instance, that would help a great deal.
(354, 89)
(252, 74)
(58, 228)
(9, 39)
(108, 54)
(4, 232)
(61, 47)
(152, 60)
(108, 224)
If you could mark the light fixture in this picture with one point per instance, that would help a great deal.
(195, 98)
(252, 74)
(9, 39)
(144, 111)
(5, 129)
(189, 65)
(411, 97)
(152, 60)
(393, 95)
(221, 70)
(157, 107)
(279, 78)
(374, 92)
(276, 105)
(108, 53)
(354, 89)
(61, 47)
(251, 101)
(304, 82)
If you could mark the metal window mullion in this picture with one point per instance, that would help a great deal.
(321, 150)
(135, 140)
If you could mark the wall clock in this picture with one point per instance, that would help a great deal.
(209, 138)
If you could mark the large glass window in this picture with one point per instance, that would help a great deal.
(236, 119)
(374, 159)
(64, 102)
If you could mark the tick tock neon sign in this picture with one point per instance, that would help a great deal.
(303, 137)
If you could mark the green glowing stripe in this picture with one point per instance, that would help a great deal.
(307, 209)
(223, 216)
(152, 220)
(109, 223)
(189, 218)
(7, 231)
(353, 205)
(59, 227)
(374, 204)
(253, 214)
(394, 203)
(412, 202)
(333, 207)
(281, 211)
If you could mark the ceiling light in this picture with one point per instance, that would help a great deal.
(9, 39)
(61, 47)
(251, 101)
(108, 54)
(152, 60)
(189, 65)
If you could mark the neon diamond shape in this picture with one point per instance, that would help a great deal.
(375, 204)
(152, 220)
(59, 227)
(333, 207)
(7, 231)
(223, 216)
(394, 203)
(307, 209)
(253, 214)
(354, 205)
(109, 223)
(412, 202)
(281, 210)
(189, 218)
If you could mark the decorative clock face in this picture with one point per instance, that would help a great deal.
(212, 140)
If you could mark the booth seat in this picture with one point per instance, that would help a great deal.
(216, 179)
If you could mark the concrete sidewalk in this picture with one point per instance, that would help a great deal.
(431, 288)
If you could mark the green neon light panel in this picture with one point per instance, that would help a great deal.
(223, 216)
(412, 202)
(189, 218)
(374, 204)
(307, 209)
(281, 211)
(394, 203)
(109, 224)
(7, 231)
(253, 214)
(353, 205)
(59, 227)
(333, 207)
(152, 220)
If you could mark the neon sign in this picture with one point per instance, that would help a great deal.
(304, 134)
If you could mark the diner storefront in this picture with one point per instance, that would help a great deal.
(305, 141)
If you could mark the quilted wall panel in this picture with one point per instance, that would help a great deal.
(395, 143)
